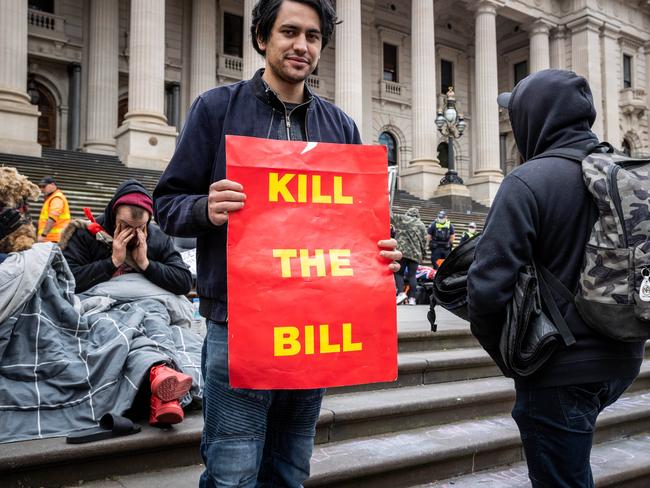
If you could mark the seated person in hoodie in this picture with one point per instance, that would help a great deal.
(138, 246)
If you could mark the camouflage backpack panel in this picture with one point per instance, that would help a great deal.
(607, 232)
(617, 254)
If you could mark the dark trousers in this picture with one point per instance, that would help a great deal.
(438, 252)
(557, 430)
(406, 272)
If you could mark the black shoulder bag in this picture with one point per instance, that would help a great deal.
(529, 337)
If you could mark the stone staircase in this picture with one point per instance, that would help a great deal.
(88, 180)
(444, 422)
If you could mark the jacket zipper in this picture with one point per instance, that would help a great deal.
(616, 199)
(287, 117)
(268, 134)
(287, 123)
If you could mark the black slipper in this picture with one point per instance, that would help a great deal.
(110, 425)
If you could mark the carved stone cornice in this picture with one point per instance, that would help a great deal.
(484, 6)
(586, 22)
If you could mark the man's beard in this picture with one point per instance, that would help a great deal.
(287, 76)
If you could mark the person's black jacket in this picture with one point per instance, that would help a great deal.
(90, 260)
(544, 212)
(247, 108)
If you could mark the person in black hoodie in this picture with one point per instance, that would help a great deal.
(543, 212)
(137, 246)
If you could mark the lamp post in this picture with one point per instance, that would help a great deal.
(451, 125)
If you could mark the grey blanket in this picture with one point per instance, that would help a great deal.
(66, 360)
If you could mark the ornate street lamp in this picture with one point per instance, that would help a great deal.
(451, 125)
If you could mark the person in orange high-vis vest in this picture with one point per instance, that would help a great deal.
(55, 213)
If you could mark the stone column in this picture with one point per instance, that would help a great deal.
(423, 69)
(423, 174)
(585, 54)
(145, 140)
(203, 69)
(74, 120)
(348, 83)
(539, 46)
(101, 118)
(558, 48)
(19, 126)
(252, 61)
(611, 53)
(485, 126)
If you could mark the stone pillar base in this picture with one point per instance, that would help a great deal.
(421, 178)
(19, 128)
(453, 197)
(452, 190)
(99, 148)
(483, 188)
(145, 145)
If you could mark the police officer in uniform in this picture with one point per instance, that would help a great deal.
(440, 236)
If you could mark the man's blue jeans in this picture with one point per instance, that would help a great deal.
(252, 438)
(557, 430)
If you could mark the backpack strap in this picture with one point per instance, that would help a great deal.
(543, 277)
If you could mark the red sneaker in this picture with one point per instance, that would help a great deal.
(165, 412)
(168, 384)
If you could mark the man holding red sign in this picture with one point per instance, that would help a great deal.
(251, 437)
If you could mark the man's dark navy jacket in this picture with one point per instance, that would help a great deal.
(248, 108)
(544, 212)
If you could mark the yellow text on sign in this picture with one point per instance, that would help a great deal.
(339, 262)
(291, 341)
(279, 189)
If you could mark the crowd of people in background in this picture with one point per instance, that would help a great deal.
(414, 238)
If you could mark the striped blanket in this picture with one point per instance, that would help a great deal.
(65, 360)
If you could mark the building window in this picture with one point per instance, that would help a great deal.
(446, 75)
(521, 71)
(503, 148)
(233, 35)
(627, 150)
(387, 139)
(42, 5)
(122, 110)
(627, 71)
(390, 62)
(443, 154)
(48, 109)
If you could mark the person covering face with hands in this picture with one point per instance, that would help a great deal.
(138, 246)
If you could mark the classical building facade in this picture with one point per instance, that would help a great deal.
(118, 76)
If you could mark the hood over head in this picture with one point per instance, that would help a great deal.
(129, 186)
(549, 109)
(413, 212)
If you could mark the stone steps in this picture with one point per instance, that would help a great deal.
(424, 340)
(622, 463)
(88, 180)
(347, 416)
(427, 367)
(430, 457)
(349, 426)
(439, 452)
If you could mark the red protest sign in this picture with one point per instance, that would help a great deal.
(310, 302)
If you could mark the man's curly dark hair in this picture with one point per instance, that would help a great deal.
(266, 11)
